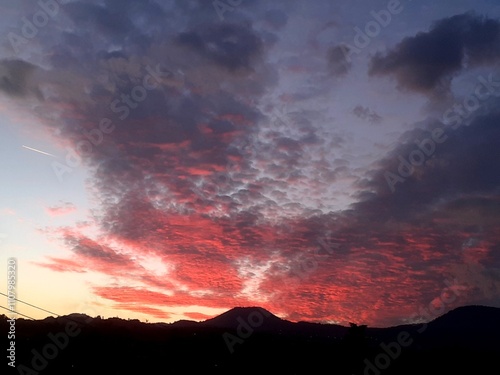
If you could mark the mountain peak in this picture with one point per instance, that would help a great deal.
(474, 314)
(253, 315)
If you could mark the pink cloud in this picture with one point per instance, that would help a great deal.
(65, 208)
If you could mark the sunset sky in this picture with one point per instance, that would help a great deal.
(330, 161)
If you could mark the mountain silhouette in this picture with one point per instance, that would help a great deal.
(252, 339)
(469, 326)
(478, 317)
(261, 318)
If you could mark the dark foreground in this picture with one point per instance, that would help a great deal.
(251, 340)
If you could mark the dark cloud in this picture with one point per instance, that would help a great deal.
(365, 113)
(464, 163)
(109, 19)
(16, 78)
(92, 251)
(231, 46)
(430, 59)
(338, 61)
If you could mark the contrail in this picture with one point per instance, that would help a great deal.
(41, 152)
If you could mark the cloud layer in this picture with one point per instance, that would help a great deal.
(209, 196)
(429, 60)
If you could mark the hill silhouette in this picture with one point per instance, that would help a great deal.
(230, 318)
(252, 339)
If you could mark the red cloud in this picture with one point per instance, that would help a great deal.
(197, 316)
(62, 265)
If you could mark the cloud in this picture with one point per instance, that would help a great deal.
(429, 60)
(231, 46)
(197, 316)
(92, 251)
(206, 197)
(148, 310)
(338, 60)
(16, 78)
(462, 164)
(108, 19)
(88, 255)
(65, 208)
(276, 18)
(61, 265)
(365, 113)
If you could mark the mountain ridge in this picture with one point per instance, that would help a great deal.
(227, 318)
(242, 337)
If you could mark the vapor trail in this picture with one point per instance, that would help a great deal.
(41, 152)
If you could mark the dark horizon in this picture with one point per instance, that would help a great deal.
(333, 161)
(465, 338)
(238, 310)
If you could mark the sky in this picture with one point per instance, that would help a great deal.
(330, 161)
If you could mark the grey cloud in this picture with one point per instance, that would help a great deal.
(16, 78)
(109, 19)
(90, 249)
(337, 60)
(464, 164)
(365, 113)
(428, 60)
(230, 46)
